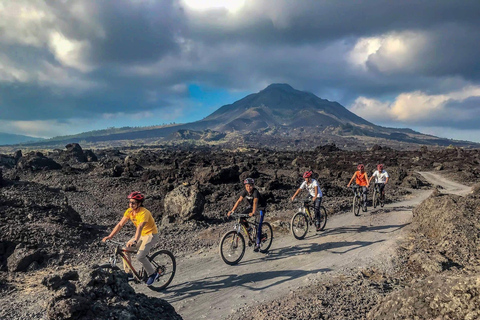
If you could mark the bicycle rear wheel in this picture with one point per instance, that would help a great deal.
(299, 225)
(266, 237)
(323, 218)
(232, 247)
(356, 206)
(165, 265)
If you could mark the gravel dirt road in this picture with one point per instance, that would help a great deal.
(206, 288)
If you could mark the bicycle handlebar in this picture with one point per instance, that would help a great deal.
(239, 215)
(114, 242)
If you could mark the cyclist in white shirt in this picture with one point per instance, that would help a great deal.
(314, 190)
(381, 178)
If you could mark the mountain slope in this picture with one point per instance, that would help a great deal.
(282, 105)
(10, 139)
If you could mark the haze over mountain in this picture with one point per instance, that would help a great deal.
(277, 116)
(10, 139)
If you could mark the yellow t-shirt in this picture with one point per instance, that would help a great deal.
(142, 215)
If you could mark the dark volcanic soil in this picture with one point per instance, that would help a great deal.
(55, 207)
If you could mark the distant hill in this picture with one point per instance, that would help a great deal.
(278, 116)
(12, 139)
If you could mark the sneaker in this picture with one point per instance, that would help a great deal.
(257, 248)
(130, 276)
(152, 278)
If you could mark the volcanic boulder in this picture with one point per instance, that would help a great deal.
(37, 161)
(183, 203)
(7, 161)
(93, 293)
(22, 258)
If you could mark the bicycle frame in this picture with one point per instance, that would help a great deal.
(305, 208)
(120, 251)
(239, 226)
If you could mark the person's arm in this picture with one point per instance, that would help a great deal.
(366, 179)
(117, 228)
(255, 202)
(316, 193)
(353, 177)
(296, 193)
(235, 206)
(138, 234)
(386, 181)
(370, 180)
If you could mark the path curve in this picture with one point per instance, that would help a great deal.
(206, 288)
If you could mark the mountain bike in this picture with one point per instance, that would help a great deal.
(378, 197)
(232, 245)
(305, 217)
(163, 261)
(358, 201)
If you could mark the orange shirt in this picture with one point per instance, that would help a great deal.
(361, 178)
(141, 216)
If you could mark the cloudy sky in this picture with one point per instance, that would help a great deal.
(73, 66)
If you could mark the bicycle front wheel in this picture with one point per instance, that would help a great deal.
(232, 247)
(356, 206)
(266, 237)
(299, 225)
(323, 218)
(165, 265)
(375, 198)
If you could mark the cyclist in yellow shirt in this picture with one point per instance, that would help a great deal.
(145, 237)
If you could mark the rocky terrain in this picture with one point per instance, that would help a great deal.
(57, 204)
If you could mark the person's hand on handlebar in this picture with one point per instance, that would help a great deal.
(131, 243)
(230, 212)
(106, 238)
(251, 214)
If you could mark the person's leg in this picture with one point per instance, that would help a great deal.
(129, 256)
(316, 206)
(244, 220)
(382, 190)
(259, 231)
(364, 194)
(147, 242)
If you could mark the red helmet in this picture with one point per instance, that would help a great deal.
(136, 195)
(307, 174)
(360, 166)
(248, 181)
(380, 167)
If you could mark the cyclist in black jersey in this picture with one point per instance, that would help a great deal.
(255, 202)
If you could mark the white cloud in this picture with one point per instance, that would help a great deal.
(70, 52)
(392, 52)
(414, 107)
(204, 5)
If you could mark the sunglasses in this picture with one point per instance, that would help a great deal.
(132, 202)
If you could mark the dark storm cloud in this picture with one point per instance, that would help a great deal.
(462, 115)
(125, 50)
(313, 20)
(139, 33)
